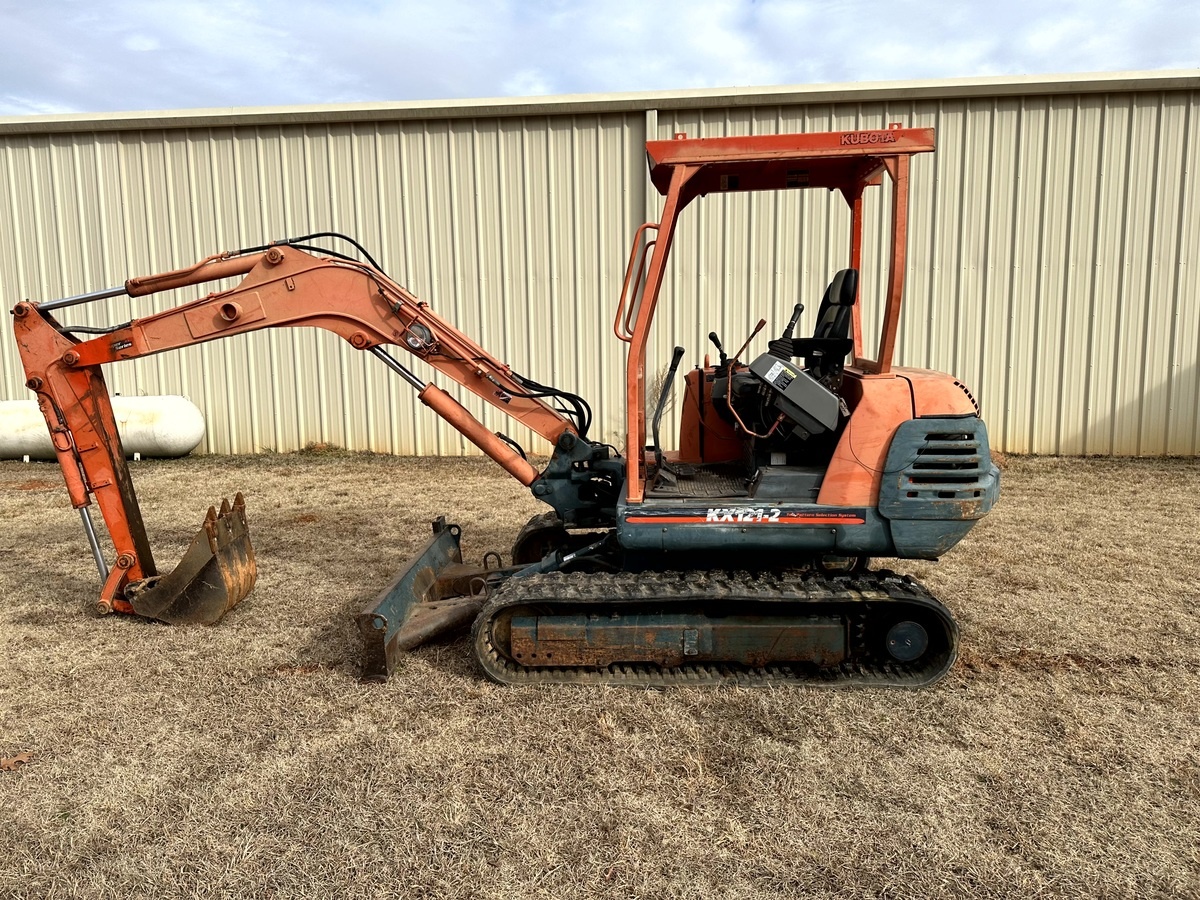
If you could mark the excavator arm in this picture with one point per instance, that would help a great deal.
(282, 286)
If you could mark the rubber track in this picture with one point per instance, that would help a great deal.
(862, 598)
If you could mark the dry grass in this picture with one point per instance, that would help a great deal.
(1060, 758)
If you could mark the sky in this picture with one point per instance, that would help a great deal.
(81, 56)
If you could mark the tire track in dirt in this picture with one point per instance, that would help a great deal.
(1031, 661)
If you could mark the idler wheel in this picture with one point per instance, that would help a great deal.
(907, 641)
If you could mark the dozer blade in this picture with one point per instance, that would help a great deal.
(433, 595)
(215, 574)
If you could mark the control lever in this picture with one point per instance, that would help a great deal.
(791, 325)
(712, 336)
(762, 323)
(782, 345)
(662, 402)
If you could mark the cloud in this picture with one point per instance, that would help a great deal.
(141, 43)
(68, 55)
(527, 83)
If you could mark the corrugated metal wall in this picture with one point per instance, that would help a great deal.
(513, 228)
(1052, 257)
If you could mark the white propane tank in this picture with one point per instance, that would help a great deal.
(150, 426)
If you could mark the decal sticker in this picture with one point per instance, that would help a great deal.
(780, 376)
(118, 346)
(749, 515)
(868, 137)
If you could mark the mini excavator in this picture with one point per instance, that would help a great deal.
(742, 555)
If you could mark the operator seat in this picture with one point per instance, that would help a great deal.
(810, 398)
(825, 352)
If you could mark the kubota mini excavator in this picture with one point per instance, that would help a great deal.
(740, 555)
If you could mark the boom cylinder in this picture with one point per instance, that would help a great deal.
(475, 432)
(462, 420)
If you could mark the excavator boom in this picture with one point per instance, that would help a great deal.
(281, 286)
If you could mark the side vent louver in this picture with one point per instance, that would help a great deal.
(938, 468)
(947, 464)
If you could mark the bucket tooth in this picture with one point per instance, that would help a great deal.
(216, 573)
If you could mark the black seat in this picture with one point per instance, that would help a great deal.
(825, 352)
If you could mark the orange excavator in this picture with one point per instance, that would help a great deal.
(742, 554)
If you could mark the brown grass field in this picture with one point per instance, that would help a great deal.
(1060, 758)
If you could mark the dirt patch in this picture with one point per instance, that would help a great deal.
(36, 484)
(1059, 758)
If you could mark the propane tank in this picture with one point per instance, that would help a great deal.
(165, 426)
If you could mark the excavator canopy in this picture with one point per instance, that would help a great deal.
(685, 168)
(842, 160)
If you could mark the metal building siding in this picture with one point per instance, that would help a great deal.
(1051, 265)
(512, 228)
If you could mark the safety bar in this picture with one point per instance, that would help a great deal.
(637, 253)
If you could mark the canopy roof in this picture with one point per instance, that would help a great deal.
(771, 162)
